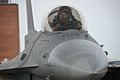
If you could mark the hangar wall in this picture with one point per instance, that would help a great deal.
(9, 31)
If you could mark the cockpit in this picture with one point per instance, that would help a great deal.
(63, 18)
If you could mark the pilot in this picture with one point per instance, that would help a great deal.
(65, 20)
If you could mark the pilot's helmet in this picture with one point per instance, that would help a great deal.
(52, 19)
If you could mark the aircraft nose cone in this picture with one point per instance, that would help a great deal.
(78, 59)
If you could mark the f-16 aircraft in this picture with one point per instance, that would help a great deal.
(63, 50)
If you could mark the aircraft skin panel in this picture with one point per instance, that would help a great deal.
(47, 41)
(24, 59)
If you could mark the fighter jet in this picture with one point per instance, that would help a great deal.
(58, 52)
